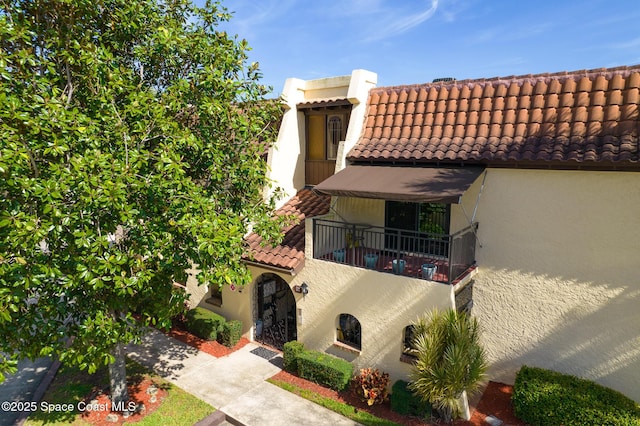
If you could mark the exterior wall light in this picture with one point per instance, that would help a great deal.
(303, 288)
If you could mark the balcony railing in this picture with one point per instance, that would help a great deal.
(443, 258)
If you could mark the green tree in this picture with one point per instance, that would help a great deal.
(450, 361)
(131, 136)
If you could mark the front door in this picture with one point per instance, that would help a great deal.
(276, 312)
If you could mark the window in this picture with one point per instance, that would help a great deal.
(408, 347)
(464, 299)
(409, 350)
(216, 295)
(348, 331)
(427, 226)
(325, 130)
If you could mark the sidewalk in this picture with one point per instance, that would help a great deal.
(24, 386)
(234, 384)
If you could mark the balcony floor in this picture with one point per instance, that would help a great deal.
(413, 262)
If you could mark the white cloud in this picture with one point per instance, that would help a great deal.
(391, 24)
(251, 16)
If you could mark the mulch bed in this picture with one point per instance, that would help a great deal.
(495, 401)
(143, 391)
(211, 347)
(382, 411)
(139, 390)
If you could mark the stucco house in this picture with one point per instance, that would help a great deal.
(517, 198)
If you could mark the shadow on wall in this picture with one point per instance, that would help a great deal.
(598, 341)
(383, 304)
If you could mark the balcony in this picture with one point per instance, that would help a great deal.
(434, 257)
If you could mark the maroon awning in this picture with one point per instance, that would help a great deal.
(415, 184)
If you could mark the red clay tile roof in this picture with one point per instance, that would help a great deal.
(569, 119)
(290, 253)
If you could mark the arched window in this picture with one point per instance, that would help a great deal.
(408, 346)
(334, 135)
(348, 331)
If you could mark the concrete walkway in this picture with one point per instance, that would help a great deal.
(234, 384)
(23, 386)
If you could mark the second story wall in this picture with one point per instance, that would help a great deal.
(287, 158)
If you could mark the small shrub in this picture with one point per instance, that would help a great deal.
(543, 397)
(371, 386)
(180, 318)
(204, 323)
(405, 402)
(231, 333)
(324, 369)
(290, 353)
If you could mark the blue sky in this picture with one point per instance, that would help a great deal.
(415, 41)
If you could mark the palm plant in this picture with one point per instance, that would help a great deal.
(450, 360)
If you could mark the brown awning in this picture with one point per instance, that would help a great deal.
(325, 103)
(416, 184)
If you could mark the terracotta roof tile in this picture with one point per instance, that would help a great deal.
(582, 116)
(290, 253)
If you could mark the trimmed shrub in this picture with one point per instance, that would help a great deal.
(324, 369)
(204, 323)
(543, 397)
(231, 333)
(290, 353)
(405, 402)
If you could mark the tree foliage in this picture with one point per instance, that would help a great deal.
(131, 136)
(450, 361)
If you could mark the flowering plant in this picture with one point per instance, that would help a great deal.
(371, 386)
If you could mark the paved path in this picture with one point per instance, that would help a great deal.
(22, 386)
(234, 383)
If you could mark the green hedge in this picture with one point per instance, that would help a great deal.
(543, 397)
(231, 333)
(290, 353)
(204, 323)
(324, 369)
(405, 402)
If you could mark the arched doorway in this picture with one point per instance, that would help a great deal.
(275, 311)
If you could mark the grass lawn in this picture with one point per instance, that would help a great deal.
(72, 386)
(346, 410)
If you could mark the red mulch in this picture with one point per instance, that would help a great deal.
(496, 401)
(138, 390)
(211, 347)
(98, 406)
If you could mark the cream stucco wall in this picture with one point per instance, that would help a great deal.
(286, 159)
(558, 285)
(384, 304)
(237, 304)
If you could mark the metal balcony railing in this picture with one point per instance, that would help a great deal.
(436, 257)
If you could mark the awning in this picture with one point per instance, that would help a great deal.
(325, 103)
(415, 184)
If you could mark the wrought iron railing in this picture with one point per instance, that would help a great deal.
(436, 257)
